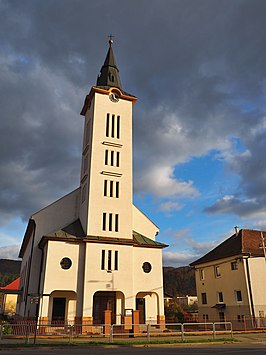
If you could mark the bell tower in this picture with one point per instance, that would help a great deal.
(106, 172)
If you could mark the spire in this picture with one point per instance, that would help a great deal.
(109, 72)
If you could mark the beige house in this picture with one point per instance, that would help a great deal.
(231, 281)
(92, 256)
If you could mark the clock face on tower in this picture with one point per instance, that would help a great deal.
(114, 97)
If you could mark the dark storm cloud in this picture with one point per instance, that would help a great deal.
(199, 70)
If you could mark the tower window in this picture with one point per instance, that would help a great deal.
(113, 126)
(117, 159)
(116, 260)
(110, 221)
(109, 265)
(103, 260)
(111, 188)
(116, 223)
(118, 127)
(107, 124)
(104, 221)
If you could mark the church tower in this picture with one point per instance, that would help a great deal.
(106, 174)
(91, 257)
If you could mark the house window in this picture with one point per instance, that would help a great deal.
(217, 271)
(241, 318)
(238, 296)
(205, 317)
(234, 265)
(220, 297)
(201, 274)
(204, 298)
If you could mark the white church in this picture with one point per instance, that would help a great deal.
(91, 257)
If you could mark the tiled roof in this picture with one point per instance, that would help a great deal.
(246, 242)
(13, 286)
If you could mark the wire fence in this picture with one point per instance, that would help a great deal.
(33, 332)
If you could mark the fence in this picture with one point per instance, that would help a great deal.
(117, 332)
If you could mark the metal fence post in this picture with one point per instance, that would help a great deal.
(27, 335)
(182, 332)
(111, 334)
(148, 333)
(213, 331)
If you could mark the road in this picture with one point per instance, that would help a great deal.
(227, 349)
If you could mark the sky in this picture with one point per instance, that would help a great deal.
(198, 69)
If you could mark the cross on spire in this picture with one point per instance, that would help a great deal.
(111, 39)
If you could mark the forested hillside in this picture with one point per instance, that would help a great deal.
(178, 281)
(9, 271)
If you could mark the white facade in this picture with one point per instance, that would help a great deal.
(93, 250)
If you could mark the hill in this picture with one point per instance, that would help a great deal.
(178, 281)
(9, 271)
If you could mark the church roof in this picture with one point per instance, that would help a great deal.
(141, 240)
(246, 242)
(74, 231)
(109, 74)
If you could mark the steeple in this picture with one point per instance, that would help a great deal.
(109, 76)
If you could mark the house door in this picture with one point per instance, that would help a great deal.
(102, 301)
(140, 306)
(59, 309)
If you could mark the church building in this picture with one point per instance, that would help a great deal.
(91, 256)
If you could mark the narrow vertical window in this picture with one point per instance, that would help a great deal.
(109, 260)
(107, 124)
(116, 223)
(112, 158)
(106, 157)
(103, 260)
(110, 222)
(116, 260)
(111, 188)
(113, 126)
(104, 221)
(105, 188)
(117, 159)
(117, 189)
(118, 127)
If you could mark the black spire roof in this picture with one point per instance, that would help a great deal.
(109, 76)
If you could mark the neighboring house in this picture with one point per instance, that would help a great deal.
(186, 300)
(91, 257)
(8, 298)
(231, 281)
(167, 299)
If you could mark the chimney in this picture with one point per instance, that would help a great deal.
(236, 230)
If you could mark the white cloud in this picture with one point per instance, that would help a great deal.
(9, 252)
(177, 259)
(170, 206)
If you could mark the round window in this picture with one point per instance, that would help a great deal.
(146, 267)
(66, 263)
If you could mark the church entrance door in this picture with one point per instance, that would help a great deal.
(140, 306)
(102, 301)
(59, 309)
